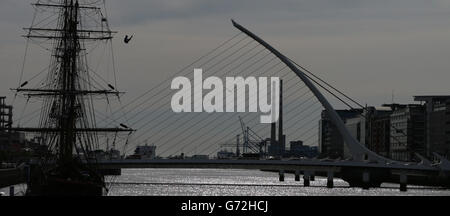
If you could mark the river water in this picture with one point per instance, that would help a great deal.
(218, 182)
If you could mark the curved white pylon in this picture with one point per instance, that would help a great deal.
(358, 151)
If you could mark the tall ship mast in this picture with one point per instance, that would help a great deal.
(67, 125)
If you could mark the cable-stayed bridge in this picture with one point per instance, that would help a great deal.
(303, 98)
(245, 54)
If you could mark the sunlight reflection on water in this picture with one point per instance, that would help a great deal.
(215, 182)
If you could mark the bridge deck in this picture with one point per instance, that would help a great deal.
(315, 165)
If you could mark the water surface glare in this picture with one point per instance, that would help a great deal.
(218, 182)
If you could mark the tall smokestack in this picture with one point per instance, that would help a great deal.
(238, 152)
(273, 134)
(280, 126)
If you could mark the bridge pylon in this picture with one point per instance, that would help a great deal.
(358, 151)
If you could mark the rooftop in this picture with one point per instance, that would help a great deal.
(431, 97)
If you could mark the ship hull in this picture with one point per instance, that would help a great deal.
(64, 187)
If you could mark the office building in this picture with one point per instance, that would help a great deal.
(437, 124)
(407, 132)
(331, 143)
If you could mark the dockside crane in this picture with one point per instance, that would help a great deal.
(252, 141)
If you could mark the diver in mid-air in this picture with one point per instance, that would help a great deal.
(127, 39)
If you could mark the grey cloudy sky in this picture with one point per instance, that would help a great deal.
(365, 48)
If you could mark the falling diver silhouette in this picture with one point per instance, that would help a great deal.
(127, 39)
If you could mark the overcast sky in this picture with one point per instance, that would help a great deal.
(366, 48)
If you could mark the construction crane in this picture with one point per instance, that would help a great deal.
(253, 143)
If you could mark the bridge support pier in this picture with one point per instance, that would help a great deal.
(330, 183)
(281, 175)
(11, 191)
(403, 182)
(313, 176)
(306, 178)
(366, 180)
(297, 175)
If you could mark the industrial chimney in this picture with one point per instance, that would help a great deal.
(281, 141)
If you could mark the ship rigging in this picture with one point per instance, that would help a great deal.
(67, 124)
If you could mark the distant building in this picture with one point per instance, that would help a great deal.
(299, 150)
(144, 153)
(99, 155)
(356, 131)
(372, 129)
(6, 138)
(200, 157)
(9, 141)
(378, 129)
(250, 156)
(296, 145)
(396, 131)
(331, 143)
(225, 155)
(437, 124)
(13, 141)
(113, 154)
(380, 139)
(5, 114)
(275, 149)
(407, 132)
